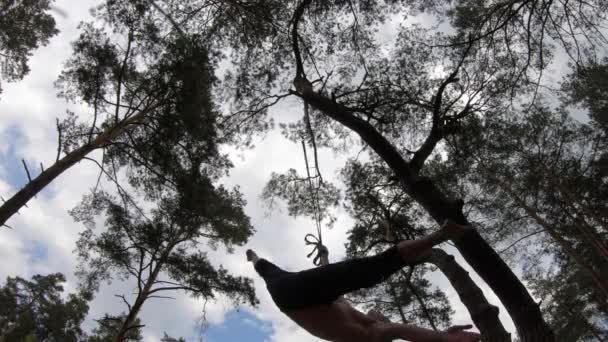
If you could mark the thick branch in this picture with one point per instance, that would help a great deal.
(476, 251)
(297, 16)
(436, 134)
(483, 314)
(20, 199)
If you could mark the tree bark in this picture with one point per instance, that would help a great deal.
(483, 314)
(522, 308)
(31, 189)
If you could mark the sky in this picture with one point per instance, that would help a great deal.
(43, 237)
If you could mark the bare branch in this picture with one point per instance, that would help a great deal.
(29, 177)
(124, 300)
(519, 240)
(437, 133)
(58, 140)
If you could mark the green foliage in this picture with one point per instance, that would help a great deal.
(588, 85)
(300, 197)
(374, 199)
(168, 338)
(109, 326)
(550, 161)
(133, 244)
(35, 310)
(25, 25)
(526, 36)
(574, 310)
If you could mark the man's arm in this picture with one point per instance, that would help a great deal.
(377, 316)
(382, 332)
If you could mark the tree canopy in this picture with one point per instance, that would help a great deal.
(25, 25)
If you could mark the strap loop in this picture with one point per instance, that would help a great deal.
(319, 248)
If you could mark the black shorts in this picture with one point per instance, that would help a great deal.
(324, 284)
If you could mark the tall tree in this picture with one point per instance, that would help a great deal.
(35, 310)
(160, 254)
(125, 78)
(25, 25)
(383, 216)
(536, 187)
(402, 104)
(171, 163)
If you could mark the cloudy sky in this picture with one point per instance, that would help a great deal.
(43, 236)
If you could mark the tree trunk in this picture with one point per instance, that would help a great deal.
(483, 314)
(136, 307)
(522, 308)
(31, 189)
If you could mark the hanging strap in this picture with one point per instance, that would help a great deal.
(319, 249)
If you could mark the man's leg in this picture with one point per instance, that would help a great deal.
(334, 280)
(411, 250)
(265, 268)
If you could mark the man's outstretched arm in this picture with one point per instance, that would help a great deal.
(383, 332)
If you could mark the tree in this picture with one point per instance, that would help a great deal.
(383, 216)
(34, 309)
(535, 184)
(143, 250)
(127, 77)
(171, 164)
(401, 109)
(25, 25)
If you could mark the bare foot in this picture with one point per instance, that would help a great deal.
(454, 231)
(251, 256)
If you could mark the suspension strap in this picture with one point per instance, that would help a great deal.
(319, 249)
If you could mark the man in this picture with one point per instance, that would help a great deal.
(313, 298)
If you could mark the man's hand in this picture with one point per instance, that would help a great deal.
(376, 315)
(457, 333)
(454, 231)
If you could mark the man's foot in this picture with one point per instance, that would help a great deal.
(454, 231)
(251, 256)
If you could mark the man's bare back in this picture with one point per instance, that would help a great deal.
(338, 321)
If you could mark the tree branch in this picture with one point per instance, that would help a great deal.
(297, 16)
(482, 313)
(124, 300)
(437, 133)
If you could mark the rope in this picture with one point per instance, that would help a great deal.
(319, 249)
(311, 239)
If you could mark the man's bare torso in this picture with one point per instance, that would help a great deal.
(338, 322)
